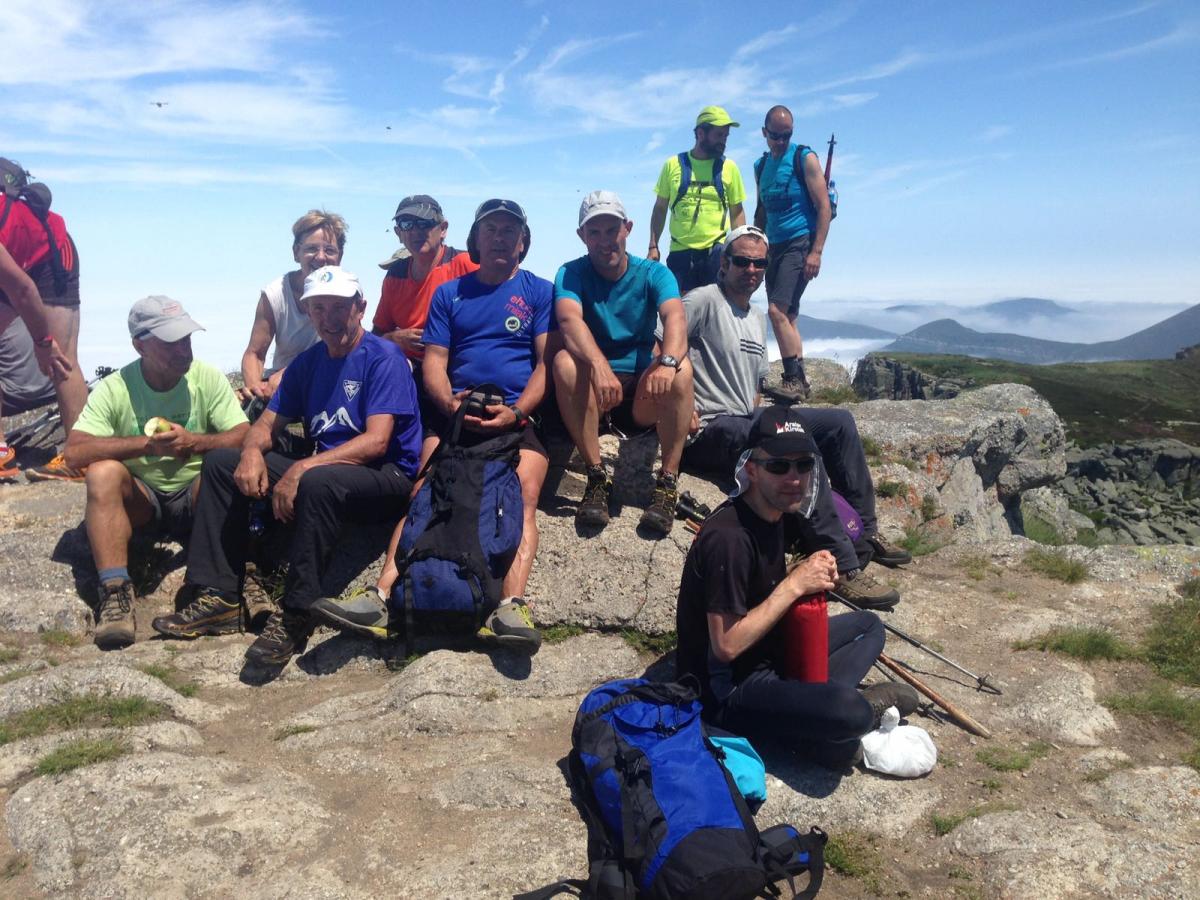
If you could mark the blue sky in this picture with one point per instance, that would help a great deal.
(985, 150)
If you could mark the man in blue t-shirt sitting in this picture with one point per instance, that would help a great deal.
(608, 304)
(488, 327)
(354, 393)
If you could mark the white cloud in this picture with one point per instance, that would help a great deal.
(993, 133)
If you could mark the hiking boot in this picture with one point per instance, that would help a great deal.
(890, 693)
(363, 612)
(208, 614)
(888, 554)
(511, 625)
(285, 636)
(660, 514)
(115, 625)
(8, 460)
(791, 389)
(55, 470)
(865, 592)
(593, 508)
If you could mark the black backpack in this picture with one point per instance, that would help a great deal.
(798, 171)
(665, 819)
(462, 529)
(16, 187)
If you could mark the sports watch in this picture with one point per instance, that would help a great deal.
(522, 416)
(669, 361)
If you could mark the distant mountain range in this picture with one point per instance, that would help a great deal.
(946, 336)
(821, 329)
(1018, 308)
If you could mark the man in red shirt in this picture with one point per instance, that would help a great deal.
(39, 283)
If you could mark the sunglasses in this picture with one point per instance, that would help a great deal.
(742, 262)
(418, 224)
(778, 135)
(314, 249)
(777, 465)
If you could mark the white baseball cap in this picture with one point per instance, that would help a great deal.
(601, 203)
(331, 281)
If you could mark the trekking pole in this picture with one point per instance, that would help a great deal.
(982, 682)
(953, 711)
(829, 157)
(51, 417)
(692, 512)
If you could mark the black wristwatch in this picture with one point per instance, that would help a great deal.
(670, 362)
(522, 417)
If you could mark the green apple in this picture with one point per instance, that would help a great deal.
(157, 425)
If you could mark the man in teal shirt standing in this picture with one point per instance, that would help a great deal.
(704, 193)
(142, 437)
(793, 208)
(608, 304)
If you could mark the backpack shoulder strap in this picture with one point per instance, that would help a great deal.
(8, 204)
(798, 162)
(685, 176)
(718, 181)
(786, 853)
(759, 165)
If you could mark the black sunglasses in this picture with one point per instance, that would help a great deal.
(759, 262)
(777, 465)
(778, 135)
(420, 224)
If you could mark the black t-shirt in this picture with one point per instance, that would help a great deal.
(734, 564)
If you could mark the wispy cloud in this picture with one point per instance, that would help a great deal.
(1181, 36)
(993, 133)
(766, 41)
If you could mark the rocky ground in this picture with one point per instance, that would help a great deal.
(359, 774)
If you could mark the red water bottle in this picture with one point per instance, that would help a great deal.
(806, 639)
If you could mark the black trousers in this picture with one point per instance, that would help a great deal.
(718, 447)
(821, 720)
(327, 496)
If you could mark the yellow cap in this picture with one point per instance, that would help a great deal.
(714, 115)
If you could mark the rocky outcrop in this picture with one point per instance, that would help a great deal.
(883, 378)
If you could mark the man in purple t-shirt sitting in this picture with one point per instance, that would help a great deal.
(354, 394)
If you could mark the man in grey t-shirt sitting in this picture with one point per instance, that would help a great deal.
(727, 340)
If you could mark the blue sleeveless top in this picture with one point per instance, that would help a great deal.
(784, 195)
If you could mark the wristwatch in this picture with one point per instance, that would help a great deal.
(522, 416)
(669, 361)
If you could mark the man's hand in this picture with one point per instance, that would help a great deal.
(52, 361)
(456, 400)
(250, 476)
(659, 380)
(264, 390)
(500, 419)
(283, 498)
(812, 574)
(606, 386)
(694, 425)
(812, 265)
(178, 442)
(407, 339)
(652, 253)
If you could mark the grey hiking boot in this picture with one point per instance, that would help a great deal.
(887, 554)
(285, 636)
(115, 625)
(791, 389)
(363, 612)
(208, 614)
(593, 508)
(511, 625)
(660, 514)
(865, 592)
(890, 693)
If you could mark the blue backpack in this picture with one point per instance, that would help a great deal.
(462, 531)
(665, 818)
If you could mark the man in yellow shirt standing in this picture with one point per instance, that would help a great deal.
(704, 193)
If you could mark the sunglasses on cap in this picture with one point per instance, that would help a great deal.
(778, 135)
(418, 224)
(742, 262)
(777, 465)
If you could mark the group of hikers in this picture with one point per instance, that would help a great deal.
(620, 342)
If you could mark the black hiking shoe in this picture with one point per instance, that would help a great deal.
(363, 612)
(593, 508)
(660, 514)
(285, 636)
(791, 389)
(890, 693)
(115, 625)
(208, 614)
(888, 554)
(511, 625)
(865, 592)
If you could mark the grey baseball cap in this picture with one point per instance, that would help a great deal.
(161, 317)
(420, 206)
(601, 203)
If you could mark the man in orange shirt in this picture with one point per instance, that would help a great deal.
(410, 282)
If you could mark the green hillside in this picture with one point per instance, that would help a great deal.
(1099, 402)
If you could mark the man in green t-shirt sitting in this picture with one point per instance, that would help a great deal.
(142, 437)
(704, 193)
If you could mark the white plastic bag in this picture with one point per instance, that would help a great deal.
(896, 749)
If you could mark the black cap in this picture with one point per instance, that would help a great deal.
(488, 207)
(420, 206)
(780, 432)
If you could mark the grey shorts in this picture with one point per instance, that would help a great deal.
(22, 384)
(785, 273)
(172, 512)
